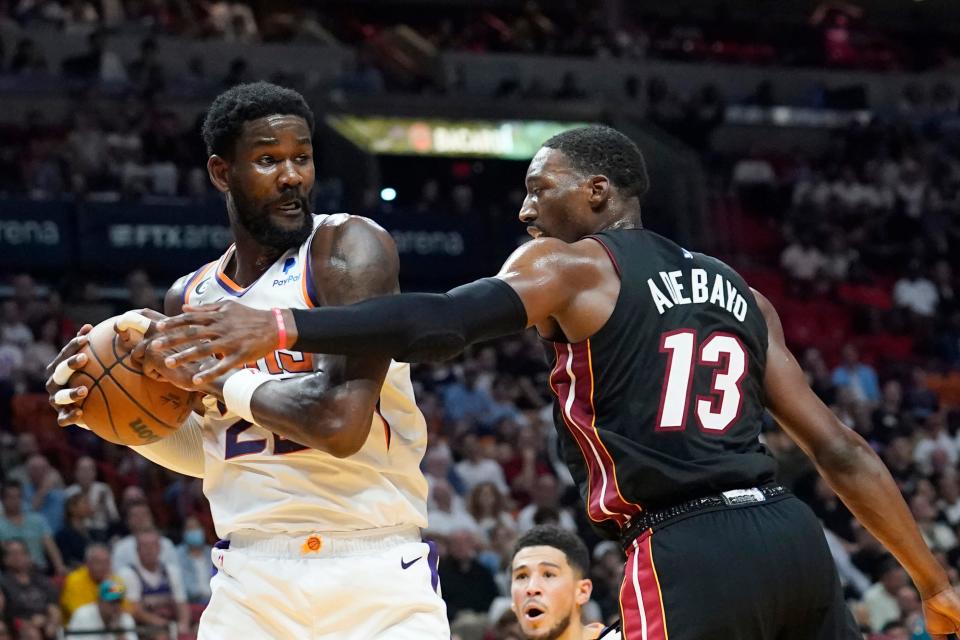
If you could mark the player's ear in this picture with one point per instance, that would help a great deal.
(217, 169)
(599, 190)
(584, 590)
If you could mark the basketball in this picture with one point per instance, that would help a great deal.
(123, 405)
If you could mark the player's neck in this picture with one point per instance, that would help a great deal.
(250, 260)
(623, 219)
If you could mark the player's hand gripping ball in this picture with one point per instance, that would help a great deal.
(122, 404)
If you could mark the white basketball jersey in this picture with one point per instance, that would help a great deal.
(257, 480)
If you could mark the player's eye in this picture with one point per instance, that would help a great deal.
(266, 160)
(303, 158)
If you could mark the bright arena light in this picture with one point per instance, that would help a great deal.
(388, 194)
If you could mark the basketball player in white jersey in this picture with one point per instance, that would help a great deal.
(310, 462)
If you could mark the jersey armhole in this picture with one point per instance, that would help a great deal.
(198, 275)
(613, 259)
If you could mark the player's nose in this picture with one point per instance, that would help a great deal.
(289, 175)
(527, 214)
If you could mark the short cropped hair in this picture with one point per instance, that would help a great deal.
(549, 535)
(245, 102)
(599, 150)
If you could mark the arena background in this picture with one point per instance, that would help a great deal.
(813, 146)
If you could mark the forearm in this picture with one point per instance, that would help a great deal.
(181, 452)
(412, 327)
(310, 411)
(865, 485)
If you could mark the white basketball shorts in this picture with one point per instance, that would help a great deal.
(378, 585)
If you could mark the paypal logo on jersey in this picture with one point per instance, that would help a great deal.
(288, 264)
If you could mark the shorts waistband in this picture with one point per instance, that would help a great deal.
(323, 544)
(733, 498)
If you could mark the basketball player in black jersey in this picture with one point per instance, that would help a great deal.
(663, 363)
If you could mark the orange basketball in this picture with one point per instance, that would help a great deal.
(123, 405)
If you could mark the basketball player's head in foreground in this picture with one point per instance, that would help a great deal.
(549, 584)
(259, 138)
(582, 181)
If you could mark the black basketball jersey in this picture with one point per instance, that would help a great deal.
(664, 403)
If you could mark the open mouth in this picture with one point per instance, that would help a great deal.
(533, 612)
(534, 232)
(290, 207)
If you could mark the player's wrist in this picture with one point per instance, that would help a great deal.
(238, 390)
(931, 581)
(284, 327)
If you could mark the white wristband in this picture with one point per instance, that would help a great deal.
(238, 391)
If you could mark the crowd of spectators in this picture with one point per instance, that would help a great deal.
(232, 20)
(835, 34)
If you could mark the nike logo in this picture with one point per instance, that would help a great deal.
(407, 565)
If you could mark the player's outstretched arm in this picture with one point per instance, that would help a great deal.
(856, 473)
(541, 280)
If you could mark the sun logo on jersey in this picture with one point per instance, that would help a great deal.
(313, 544)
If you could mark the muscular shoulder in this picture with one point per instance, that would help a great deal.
(581, 263)
(173, 299)
(353, 258)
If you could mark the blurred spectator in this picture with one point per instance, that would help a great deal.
(464, 400)
(488, 508)
(195, 565)
(526, 464)
(888, 419)
(935, 449)
(74, 536)
(154, 587)
(106, 614)
(915, 292)
(831, 511)
(438, 465)
(949, 491)
(13, 330)
(801, 260)
(29, 528)
(850, 576)
(99, 496)
(859, 378)
(478, 466)
(41, 492)
(467, 584)
(140, 520)
(881, 598)
(918, 399)
(81, 585)
(232, 21)
(29, 595)
(546, 497)
(445, 511)
(937, 535)
(27, 447)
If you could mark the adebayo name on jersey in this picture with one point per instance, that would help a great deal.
(676, 284)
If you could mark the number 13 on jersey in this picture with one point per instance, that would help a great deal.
(720, 407)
